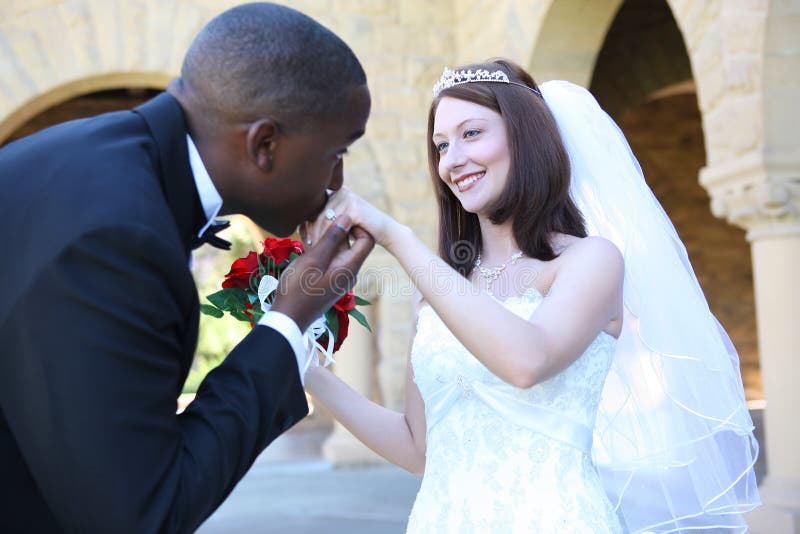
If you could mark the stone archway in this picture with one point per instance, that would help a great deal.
(569, 39)
(137, 86)
(53, 51)
(638, 56)
(643, 78)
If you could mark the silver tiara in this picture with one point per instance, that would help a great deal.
(451, 78)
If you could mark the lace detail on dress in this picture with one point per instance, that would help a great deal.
(490, 465)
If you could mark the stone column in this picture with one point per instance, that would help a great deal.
(776, 265)
(354, 365)
(766, 202)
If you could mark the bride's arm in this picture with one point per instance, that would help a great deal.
(398, 437)
(585, 296)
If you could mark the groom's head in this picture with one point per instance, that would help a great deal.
(273, 99)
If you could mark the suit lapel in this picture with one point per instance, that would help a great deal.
(165, 119)
(167, 125)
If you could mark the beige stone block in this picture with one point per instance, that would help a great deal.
(392, 39)
(15, 86)
(415, 129)
(733, 128)
(782, 37)
(743, 74)
(782, 72)
(399, 97)
(743, 32)
(416, 14)
(399, 157)
(569, 39)
(747, 5)
(783, 8)
(423, 73)
(382, 70)
(365, 7)
(710, 87)
(385, 125)
(697, 20)
(413, 184)
(313, 8)
(412, 209)
(708, 52)
(782, 121)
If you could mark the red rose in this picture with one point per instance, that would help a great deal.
(346, 303)
(341, 307)
(279, 249)
(241, 270)
(344, 324)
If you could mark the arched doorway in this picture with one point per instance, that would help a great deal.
(85, 105)
(643, 78)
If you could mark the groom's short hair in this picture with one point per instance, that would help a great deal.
(265, 59)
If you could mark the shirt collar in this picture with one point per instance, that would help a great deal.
(209, 196)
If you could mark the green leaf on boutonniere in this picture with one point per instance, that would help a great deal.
(240, 315)
(229, 299)
(333, 322)
(362, 302)
(358, 316)
(213, 311)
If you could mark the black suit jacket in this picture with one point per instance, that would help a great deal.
(98, 326)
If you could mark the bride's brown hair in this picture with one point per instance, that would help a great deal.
(536, 197)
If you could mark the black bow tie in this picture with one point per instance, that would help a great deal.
(210, 236)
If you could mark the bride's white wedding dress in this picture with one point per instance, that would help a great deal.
(501, 458)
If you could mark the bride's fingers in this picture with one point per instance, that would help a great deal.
(336, 206)
(304, 237)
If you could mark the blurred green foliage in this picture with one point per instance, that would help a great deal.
(217, 337)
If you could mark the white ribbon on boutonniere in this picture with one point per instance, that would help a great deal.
(266, 287)
(314, 332)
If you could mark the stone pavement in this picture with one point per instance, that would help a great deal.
(290, 490)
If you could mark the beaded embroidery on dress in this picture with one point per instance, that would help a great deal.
(501, 458)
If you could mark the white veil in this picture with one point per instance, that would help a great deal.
(674, 440)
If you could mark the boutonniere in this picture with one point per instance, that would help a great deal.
(249, 289)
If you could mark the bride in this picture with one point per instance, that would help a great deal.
(565, 373)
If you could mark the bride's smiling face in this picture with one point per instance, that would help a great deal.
(474, 156)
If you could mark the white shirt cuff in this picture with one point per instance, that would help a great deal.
(289, 329)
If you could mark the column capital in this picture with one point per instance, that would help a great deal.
(762, 196)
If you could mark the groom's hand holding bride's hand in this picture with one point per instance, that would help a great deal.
(317, 279)
(363, 216)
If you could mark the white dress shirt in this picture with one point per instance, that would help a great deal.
(212, 203)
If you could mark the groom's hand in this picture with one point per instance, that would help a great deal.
(317, 279)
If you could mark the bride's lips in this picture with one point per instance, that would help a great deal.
(467, 181)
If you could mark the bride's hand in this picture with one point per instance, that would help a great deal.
(363, 214)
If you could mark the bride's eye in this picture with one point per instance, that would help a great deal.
(471, 133)
(441, 147)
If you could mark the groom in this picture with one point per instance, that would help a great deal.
(98, 310)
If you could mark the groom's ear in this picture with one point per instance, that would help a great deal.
(262, 136)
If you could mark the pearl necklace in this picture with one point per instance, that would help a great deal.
(491, 274)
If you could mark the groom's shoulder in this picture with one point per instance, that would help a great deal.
(99, 165)
(79, 177)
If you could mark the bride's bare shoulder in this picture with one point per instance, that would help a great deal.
(582, 246)
(594, 256)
